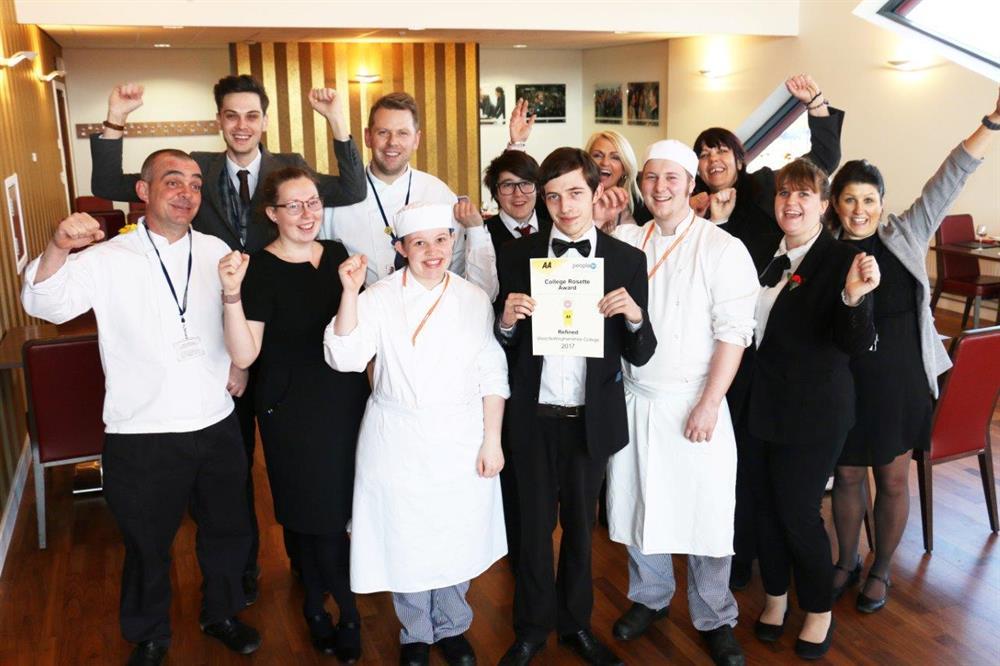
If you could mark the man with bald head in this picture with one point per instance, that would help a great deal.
(172, 440)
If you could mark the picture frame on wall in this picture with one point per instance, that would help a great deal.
(644, 103)
(15, 214)
(608, 103)
(492, 105)
(547, 101)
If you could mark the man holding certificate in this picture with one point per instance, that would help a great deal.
(566, 412)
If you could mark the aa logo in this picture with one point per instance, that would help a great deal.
(546, 266)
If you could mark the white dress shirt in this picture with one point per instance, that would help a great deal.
(149, 390)
(361, 228)
(233, 169)
(768, 295)
(513, 225)
(564, 378)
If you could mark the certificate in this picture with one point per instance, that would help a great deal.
(566, 321)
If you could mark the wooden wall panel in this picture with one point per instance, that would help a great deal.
(27, 127)
(442, 77)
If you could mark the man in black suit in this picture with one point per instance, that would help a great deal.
(566, 414)
(230, 209)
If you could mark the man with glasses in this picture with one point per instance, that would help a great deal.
(512, 179)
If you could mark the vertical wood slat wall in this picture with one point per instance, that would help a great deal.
(444, 79)
(27, 125)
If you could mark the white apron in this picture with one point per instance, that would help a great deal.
(423, 518)
(667, 494)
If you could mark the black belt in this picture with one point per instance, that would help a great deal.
(561, 412)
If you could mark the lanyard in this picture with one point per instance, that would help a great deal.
(656, 267)
(181, 305)
(447, 279)
(385, 219)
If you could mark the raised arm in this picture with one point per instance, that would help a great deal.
(824, 122)
(107, 179)
(350, 186)
(48, 292)
(979, 141)
(243, 337)
(520, 125)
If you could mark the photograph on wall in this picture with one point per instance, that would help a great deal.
(547, 101)
(608, 103)
(16, 216)
(644, 103)
(492, 105)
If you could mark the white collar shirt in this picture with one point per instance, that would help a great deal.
(768, 295)
(513, 225)
(233, 169)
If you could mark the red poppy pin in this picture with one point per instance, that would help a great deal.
(794, 282)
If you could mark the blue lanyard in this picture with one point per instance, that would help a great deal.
(181, 305)
(385, 219)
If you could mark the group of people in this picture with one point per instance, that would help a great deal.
(378, 331)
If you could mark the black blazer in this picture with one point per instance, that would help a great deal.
(800, 383)
(107, 180)
(501, 235)
(606, 421)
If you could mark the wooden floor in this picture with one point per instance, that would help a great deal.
(59, 606)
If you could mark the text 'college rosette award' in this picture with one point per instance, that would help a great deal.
(566, 321)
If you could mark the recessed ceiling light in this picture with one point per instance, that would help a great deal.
(173, 27)
(622, 32)
(520, 46)
(161, 46)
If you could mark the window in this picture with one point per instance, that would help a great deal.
(776, 132)
(963, 31)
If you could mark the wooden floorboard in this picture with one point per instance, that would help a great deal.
(59, 606)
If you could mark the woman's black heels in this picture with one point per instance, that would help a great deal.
(853, 576)
(866, 604)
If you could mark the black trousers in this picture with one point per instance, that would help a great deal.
(511, 509)
(556, 477)
(788, 481)
(149, 482)
(325, 560)
(744, 517)
(245, 414)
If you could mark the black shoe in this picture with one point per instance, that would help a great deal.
(739, 575)
(414, 654)
(723, 646)
(322, 633)
(457, 651)
(636, 621)
(770, 633)
(591, 650)
(236, 636)
(147, 653)
(249, 581)
(521, 653)
(866, 604)
(812, 651)
(853, 576)
(348, 641)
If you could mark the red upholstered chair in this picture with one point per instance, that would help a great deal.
(92, 204)
(960, 275)
(962, 418)
(65, 387)
(136, 207)
(133, 216)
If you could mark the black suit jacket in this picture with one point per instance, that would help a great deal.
(107, 180)
(606, 421)
(799, 382)
(501, 235)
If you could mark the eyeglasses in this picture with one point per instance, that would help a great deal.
(295, 207)
(525, 186)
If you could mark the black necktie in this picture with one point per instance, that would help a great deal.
(559, 246)
(244, 177)
(774, 270)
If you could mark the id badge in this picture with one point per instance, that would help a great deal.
(188, 348)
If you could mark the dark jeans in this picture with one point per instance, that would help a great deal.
(149, 481)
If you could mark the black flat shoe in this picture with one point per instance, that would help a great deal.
(636, 621)
(348, 648)
(322, 633)
(866, 604)
(812, 651)
(723, 646)
(235, 635)
(414, 654)
(591, 650)
(147, 653)
(853, 576)
(521, 653)
(770, 633)
(457, 651)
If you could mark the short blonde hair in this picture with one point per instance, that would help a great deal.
(624, 150)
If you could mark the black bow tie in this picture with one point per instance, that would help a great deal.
(774, 270)
(559, 246)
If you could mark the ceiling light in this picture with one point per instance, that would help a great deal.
(908, 65)
(19, 56)
(173, 27)
(366, 78)
(54, 74)
(161, 45)
(622, 32)
(520, 46)
(711, 73)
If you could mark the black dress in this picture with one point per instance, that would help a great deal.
(309, 414)
(895, 406)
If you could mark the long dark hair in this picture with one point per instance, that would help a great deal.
(855, 171)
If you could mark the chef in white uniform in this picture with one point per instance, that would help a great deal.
(672, 489)
(428, 516)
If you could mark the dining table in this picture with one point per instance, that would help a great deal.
(987, 251)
